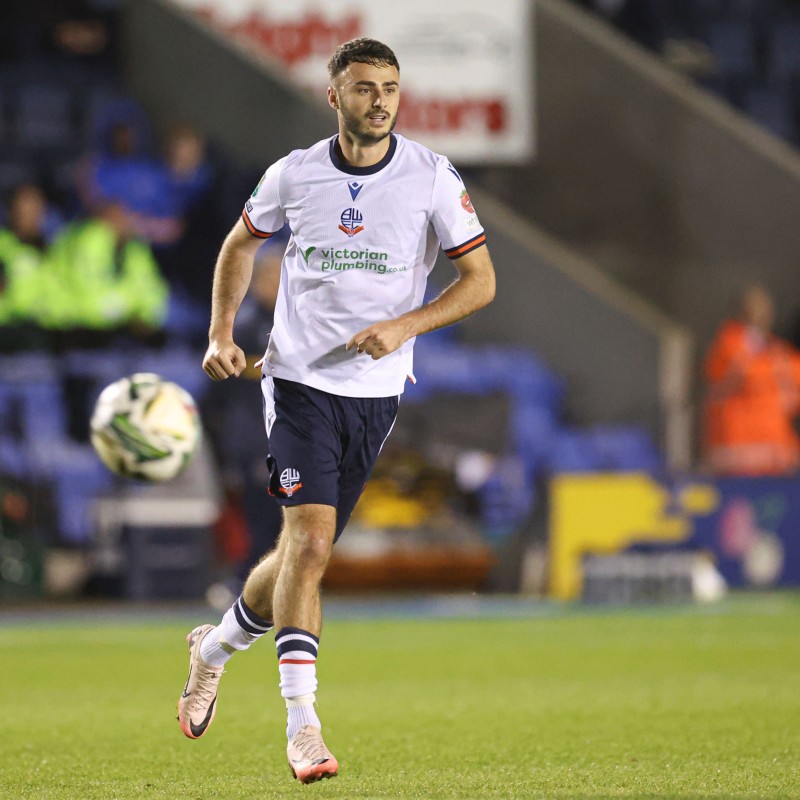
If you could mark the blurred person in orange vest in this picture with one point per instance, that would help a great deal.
(753, 380)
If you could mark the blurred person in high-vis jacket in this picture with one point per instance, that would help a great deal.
(753, 393)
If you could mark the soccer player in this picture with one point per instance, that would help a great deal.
(368, 211)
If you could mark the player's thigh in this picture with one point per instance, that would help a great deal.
(304, 445)
(376, 418)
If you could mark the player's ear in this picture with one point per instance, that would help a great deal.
(333, 100)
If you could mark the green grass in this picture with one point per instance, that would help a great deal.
(667, 703)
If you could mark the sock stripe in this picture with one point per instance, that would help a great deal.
(296, 631)
(255, 619)
(297, 661)
(248, 619)
(295, 645)
(240, 618)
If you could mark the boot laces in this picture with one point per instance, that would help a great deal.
(309, 741)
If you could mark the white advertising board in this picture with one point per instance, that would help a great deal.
(466, 66)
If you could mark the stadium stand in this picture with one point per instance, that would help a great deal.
(754, 48)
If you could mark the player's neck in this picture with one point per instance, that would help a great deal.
(359, 155)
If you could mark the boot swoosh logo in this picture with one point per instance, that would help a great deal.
(199, 730)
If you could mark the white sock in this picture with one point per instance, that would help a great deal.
(240, 627)
(301, 712)
(297, 664)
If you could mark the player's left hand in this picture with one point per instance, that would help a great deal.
(381, 338)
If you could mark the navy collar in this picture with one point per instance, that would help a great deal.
(337, 157)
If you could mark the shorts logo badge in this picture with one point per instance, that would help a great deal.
(290, 481)
(351, 220)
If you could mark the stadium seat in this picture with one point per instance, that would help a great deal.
(784, 52)
(733, 46)
(772, 109)
(179, 364)
(573, 451)
(13, 461)
(605, 448)
(534, 429)
(78, 478)
(625, 448)
(43, 117)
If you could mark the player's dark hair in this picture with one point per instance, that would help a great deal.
(363, 51)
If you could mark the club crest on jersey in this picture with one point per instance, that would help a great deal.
(466, 203)
(351, 220)
(290, 481)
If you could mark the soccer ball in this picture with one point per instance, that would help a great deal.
(145, 427)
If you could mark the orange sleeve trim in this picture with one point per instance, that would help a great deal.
(252, 228)
(467, 247)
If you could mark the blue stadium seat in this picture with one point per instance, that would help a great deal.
(43, 415)
(605, 448)
(733, 45)
(534, 429)
(179, 364)
(31, 385)
(78, 477)
(186, 318)
(44, 118)
(772, 109)
(624, 447)
(573, 451)
(784, 52)
(13, 460)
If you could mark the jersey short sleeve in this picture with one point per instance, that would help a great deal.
(453, 217)
(262, 213)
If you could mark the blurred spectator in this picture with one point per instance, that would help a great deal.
(236, 426)
(123, 173)
(70, 30)
(157, 194)
(104, 288)
(104, 281)
(187, 165)
(753, 380)
(22, 269)
(188, 262)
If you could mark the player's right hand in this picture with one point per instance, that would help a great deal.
(223, 359)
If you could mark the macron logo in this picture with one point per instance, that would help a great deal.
(355, 187)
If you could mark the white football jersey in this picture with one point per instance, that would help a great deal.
(363, 242)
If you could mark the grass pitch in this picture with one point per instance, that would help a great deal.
(661, 703)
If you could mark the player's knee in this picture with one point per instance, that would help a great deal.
(312, 548)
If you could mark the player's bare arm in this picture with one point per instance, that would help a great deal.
(472, 290)
(232, 275)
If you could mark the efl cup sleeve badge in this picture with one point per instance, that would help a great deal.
(466, 203)
(351, 220)
(258, 186)
(290, 481)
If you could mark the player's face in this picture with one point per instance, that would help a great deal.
(366, 98)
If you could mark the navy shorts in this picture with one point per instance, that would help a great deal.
(322, 446)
